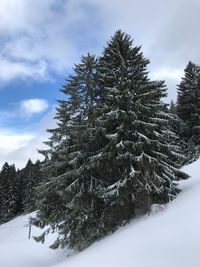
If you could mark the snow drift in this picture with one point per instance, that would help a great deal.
(167, 238)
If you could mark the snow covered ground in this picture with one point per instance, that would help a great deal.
(170, 238)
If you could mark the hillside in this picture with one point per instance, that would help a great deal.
(169, 238)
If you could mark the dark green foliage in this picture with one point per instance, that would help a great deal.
(188, 110)
(8, 193)
(32, 177)
(176, 127)
(137, 129)
(112, 154)
(188, 96)
(18, 192)
(70, 197)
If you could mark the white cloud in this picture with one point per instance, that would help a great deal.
(167, 31)
(10, 141)
(164, 74)
(23, 110)
(51, 35)
(38, 37)
(10, 70)
(18, 147)
(172, 77)
(32, 106)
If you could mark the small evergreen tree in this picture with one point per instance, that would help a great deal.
(9, 192)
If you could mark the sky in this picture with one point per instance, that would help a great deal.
(41, 40)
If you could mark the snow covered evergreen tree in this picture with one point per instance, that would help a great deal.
(111, 153)
(8, 192)
(70, 198)
(188, 109)
(141, 160)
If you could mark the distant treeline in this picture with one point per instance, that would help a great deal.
(18, 193)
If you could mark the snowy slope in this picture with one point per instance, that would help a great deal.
(167, 239)
(16, 250)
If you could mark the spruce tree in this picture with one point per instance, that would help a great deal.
(187, 90)
(68, 200)
(111, 153)
(188, 109)
(141, 159)
(9, 192)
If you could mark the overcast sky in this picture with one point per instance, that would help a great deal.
(40, 40)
